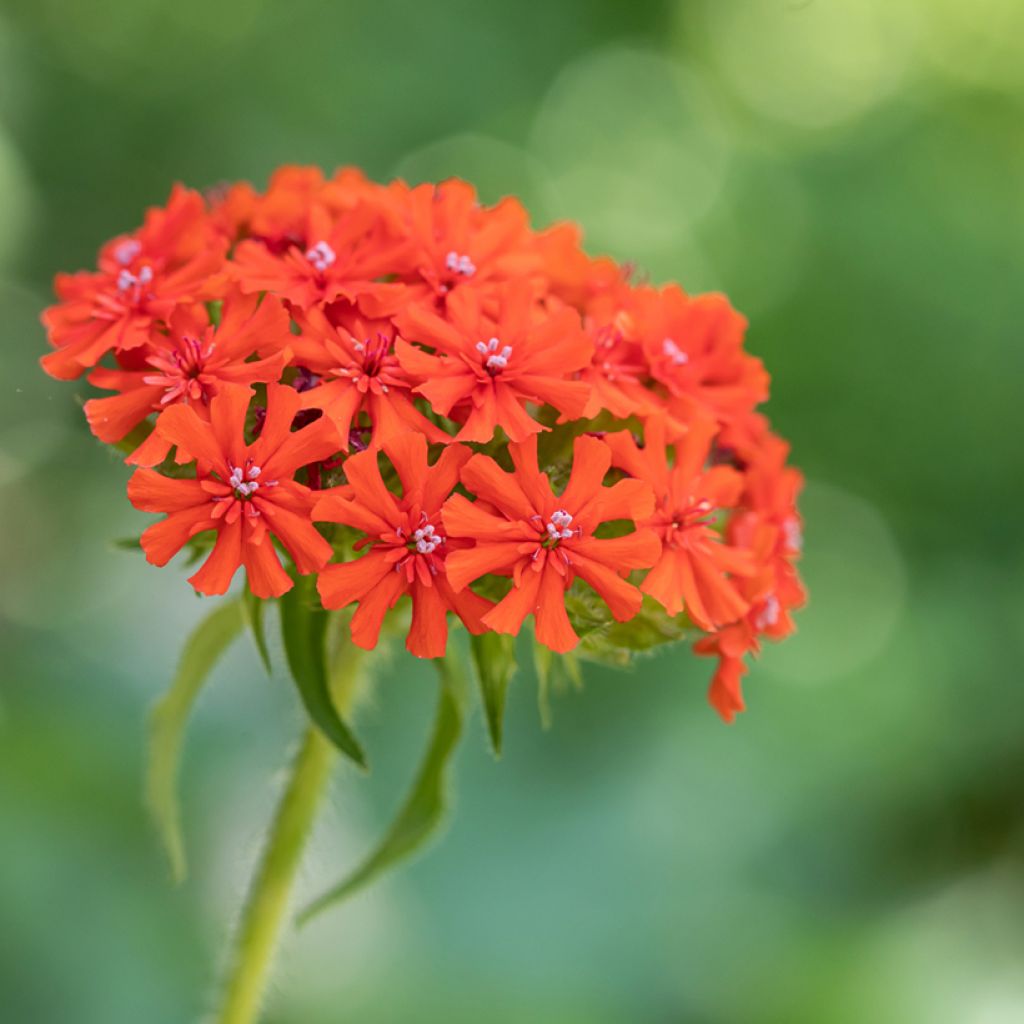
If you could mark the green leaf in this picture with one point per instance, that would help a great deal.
(127, 544)
(604, 640)
(554, 672)
(254, 608)
(303, 629)
(424, 807)
(203, 649)
(494, 657)
(651, 627)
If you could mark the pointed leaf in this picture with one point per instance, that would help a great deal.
(204, 647)
(424, 807)
(254, 608)
(494, 657)
(303, 629)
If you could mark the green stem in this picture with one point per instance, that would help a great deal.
(260, 927)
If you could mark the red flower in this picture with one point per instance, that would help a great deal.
(191, 364)
(142, 278)
(618, 373)
(338, 257)
(694, 567)
(694, 347)
(359, 374)
(407, 544)
(458, 245)
(769, 527)
(245, 492)
(729, 645)
(484, 371)
(572, 275)
(520, 528)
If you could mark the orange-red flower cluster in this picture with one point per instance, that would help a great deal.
(415, 395)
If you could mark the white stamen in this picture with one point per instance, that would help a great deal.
(559, 526)
(426, 540)
(674, 352)
(243, 481)
(321, 256)
(460, 264)
(794, 534)
(127, 251)
(126, 280)
(494, 360)
(769, 614)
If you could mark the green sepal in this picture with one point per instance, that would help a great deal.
(424, 807)
(167, 721)
(303, 631)
(254, 607)
(494, 659)
(604, 640)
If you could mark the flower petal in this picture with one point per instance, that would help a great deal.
(215, 574)
(342, 583)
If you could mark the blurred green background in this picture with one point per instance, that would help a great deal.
(851, 172)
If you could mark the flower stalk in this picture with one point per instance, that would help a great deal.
(263, 917)
(261, 924)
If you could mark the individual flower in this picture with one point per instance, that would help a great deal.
(619, 374)
(190, 364)
(730, 645)
(483, 371)
(770, 525)
(457, 245)
(770, 528)
(407, 545)
(244, 491)
(571, 275)
(352, 374)
(173, 259)
(695, 567)
(694, 347)
(519, 527)
(337, 256)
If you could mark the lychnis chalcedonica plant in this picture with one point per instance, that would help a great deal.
(399, 410)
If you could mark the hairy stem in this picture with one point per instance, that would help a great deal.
(267, 904)
(264, 913)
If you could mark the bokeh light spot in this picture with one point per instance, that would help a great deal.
(813, 65)
(637, 149)
(857, 580)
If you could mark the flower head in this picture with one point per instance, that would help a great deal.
(460, 246)
(694, 568)
(356, 376)
(484, 419)
(190, 364)
(245, 491)
(407, 548)
(484, 370)
(519, 527)
(142, 278)
(337, 256)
